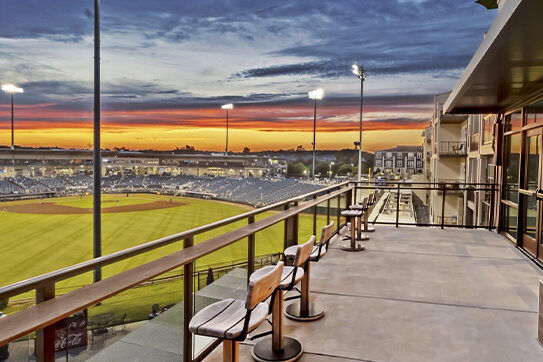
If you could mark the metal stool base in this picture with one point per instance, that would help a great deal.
(316, 311)
(263, 351)
(358, 247)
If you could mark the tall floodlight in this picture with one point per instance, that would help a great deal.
(361, 74)
(11, 88)
(227, 107)
(315, 95)
(97, 157)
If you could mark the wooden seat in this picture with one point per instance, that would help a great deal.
(278, 347)
(231, 319)
(307, 310)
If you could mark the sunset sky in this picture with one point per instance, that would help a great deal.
(167, 66)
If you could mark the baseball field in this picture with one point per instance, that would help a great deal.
(39, 236)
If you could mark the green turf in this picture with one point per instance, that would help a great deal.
(35, 244)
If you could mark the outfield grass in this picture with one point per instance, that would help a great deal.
(34, 244)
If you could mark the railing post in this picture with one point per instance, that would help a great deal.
(443, 188)
(398, 205)
(188, 270)
(491, 216)
(355, 193)
(338, 211)
(328, 212)
(251, 251)
(45, 338)
(291, 229)
(315, 216)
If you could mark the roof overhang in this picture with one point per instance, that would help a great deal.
(507, 68)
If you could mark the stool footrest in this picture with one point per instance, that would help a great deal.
(263, 351)
(316, 311)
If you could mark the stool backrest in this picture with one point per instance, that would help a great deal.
(326, 235)
(261, 285)
(303, 252)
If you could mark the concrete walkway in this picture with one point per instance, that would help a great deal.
(422, 294)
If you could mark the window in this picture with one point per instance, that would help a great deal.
(378, 163)
(389, 154)
(419, 164)
(511, 174)
(399, 163)
(419, 155)
(510, 220)
(488, 128)
(388, 164)
(410, 164)
(513, 121)
(535, 113)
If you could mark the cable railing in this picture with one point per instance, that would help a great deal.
(51, 308)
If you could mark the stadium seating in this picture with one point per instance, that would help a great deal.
(252, 191)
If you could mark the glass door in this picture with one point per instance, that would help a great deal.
(530, 192)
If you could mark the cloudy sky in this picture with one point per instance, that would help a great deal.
(168, 65)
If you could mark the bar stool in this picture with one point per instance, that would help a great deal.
(279, 347)
(372, 199)
(364, 207)
(352, 215)
(231, 319)
(307, 310)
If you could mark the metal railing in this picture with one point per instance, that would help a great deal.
(441, 190)
(51, 308)
(452, 148)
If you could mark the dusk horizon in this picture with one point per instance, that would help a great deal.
(167, 68)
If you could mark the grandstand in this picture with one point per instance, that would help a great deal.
(252, 191)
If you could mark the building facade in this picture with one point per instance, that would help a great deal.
(403, 161)
(503, 86)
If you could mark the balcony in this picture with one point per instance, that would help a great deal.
(403, 299)
(453, 118)
(452, 149)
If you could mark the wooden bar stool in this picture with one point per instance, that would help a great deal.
(352, 215)
(364, 207)
(279, 347)
(307, 310)
(231, 319)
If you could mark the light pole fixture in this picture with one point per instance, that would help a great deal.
(315, 95)
(227, 107)
(361, 74)
(11, 88)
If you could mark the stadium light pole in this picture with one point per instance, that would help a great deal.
(11, 88)
(227, 107)
(315, 95)
(361, 74)
(97, 157)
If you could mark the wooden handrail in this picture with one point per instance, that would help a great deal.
(53, 310)
(89, 265)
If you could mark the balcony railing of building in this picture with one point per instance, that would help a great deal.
(51, 308)
(441, 190)
(452, 148)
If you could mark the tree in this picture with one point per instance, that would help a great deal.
(296, 169)
(300, 148)
(345, 169)
(246, 150)
(322, 169)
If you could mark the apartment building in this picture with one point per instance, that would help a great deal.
(404, 161)
(445, 142)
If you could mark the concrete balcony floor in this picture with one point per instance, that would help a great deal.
(421, 294)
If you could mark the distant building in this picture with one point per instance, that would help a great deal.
(400, 160)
